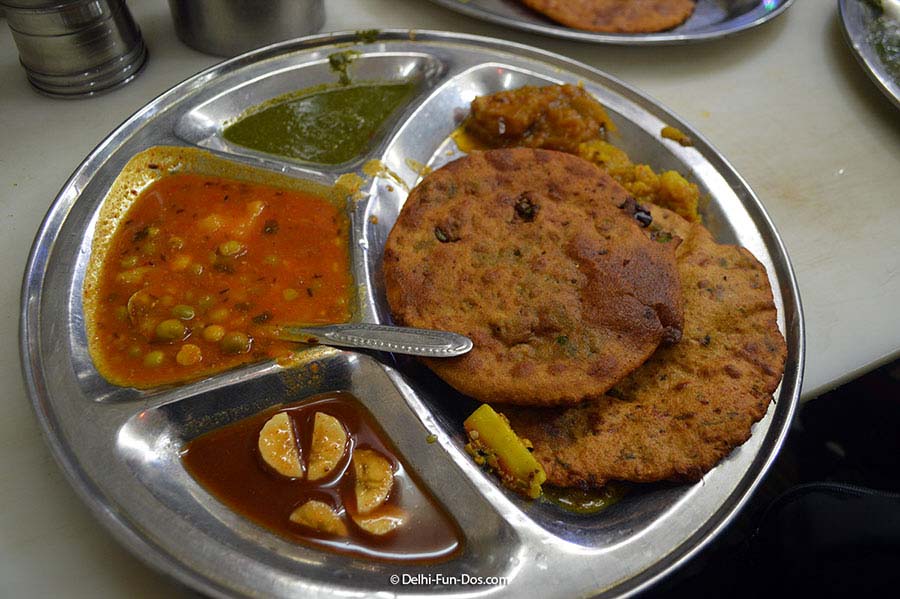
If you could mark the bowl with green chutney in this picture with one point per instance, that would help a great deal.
(328, 113)
(331, 125)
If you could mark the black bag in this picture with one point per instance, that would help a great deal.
(830, 539)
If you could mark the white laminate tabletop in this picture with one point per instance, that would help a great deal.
(786, 104)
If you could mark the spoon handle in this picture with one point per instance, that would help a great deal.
(400, 340)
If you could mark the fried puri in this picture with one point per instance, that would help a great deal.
(677, 415)
(537, 257)
(615, 16)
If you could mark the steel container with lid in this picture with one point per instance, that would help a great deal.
(74, 48)
(232, 27)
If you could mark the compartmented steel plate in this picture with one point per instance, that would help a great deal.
(120, 447)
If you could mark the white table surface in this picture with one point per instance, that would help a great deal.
(785, 103)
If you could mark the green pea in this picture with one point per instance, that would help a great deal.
(214, 333)
(230, 248)
(132, 276)
(183, 311)
(154, 359)
(235, 343)
(206, 302)
(170, 330)
(219, 314)
(134, 351)
(129, 262)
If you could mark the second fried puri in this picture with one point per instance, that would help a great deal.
(536, 256)
(690, 404)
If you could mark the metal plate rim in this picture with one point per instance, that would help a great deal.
(37, 263)
(873, 68)
(613, 39)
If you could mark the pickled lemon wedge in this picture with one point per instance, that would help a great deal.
(329, 441)
(494, 444)
(374, 479)
(318, 515)
(383, 522)
(278, 446)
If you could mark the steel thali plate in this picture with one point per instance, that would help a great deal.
(860, 22)
(120, 447)
(711, 19)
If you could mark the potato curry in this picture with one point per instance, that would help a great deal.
(569, 119)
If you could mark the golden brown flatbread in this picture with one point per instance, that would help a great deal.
(537, 257)
(684, 410)
(616, 16)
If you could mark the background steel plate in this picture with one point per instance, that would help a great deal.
(711, 19)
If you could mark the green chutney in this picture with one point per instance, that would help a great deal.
(329, 126)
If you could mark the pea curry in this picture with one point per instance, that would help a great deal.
(200, 265)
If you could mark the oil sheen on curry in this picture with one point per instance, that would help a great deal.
(322, 472)
(200, 265)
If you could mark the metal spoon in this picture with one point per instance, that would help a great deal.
(399, 340)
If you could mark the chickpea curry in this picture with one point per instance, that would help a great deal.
(200, 265)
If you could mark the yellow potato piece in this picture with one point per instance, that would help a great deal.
(374, 479)
(676, 134)
(494, 444)
(381, 523)
(329, 441)
(319, 516)
(278, 446)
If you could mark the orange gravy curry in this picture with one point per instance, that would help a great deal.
(199, 266)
